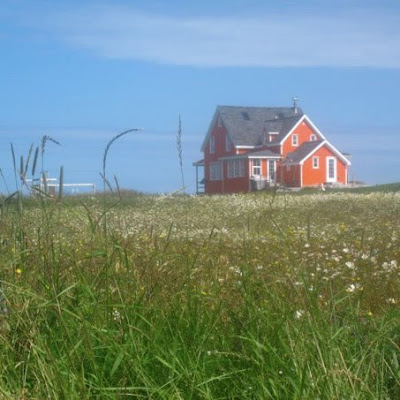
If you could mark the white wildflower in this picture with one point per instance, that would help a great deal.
(351, 288)
(350, 264)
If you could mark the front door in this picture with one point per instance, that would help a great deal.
(331, 169)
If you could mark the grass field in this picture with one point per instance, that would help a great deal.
(180, 297)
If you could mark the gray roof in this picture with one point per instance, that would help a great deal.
(302, 152)
(250, 126)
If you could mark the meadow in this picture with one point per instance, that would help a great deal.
(260, 296)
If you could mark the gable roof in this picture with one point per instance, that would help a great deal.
(306, 149)
(247, 126)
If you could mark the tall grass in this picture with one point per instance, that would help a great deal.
(235, 297)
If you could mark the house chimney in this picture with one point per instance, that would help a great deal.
(295, 100)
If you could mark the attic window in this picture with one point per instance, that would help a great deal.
(245, 116)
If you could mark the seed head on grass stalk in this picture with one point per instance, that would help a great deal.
(103, 173)
(109, 144)
(180, 151)
(45, 139)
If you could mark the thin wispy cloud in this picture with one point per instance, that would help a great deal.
(363, 38)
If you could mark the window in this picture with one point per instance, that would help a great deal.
(215, 171)
(315, 162)
(212, 144)
(256, 166)
(313, 138)
(227, 143)
(235, 168)
(219, 122)
(295, 140)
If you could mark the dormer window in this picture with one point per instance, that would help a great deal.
(295, 140)
(271, 136)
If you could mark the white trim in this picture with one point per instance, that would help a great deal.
(259, 167)
(338, 153)
(247, 147)
(313, 127)
(295, 135)
(272, 157)
(328, 178)
(334, 150)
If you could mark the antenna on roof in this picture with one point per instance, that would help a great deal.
(295, 101)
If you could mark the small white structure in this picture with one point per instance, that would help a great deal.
(51, 186)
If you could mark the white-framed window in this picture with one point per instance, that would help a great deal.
(313, 137)
(236, 168)
(256, 166)
(315, 162)
(215, 171)
(227, 143)
(295, 140)
(212, 144)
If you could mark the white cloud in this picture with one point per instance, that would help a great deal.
(352, 39)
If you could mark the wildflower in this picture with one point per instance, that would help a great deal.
(350, 264)
(351, 288)
(299, 314)
(391, 300)
(18, 271)
(116, 316)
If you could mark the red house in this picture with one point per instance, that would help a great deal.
(251, 148)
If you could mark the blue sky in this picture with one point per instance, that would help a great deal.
(82, 72)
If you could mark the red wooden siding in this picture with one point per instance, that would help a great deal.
(303, 131)
(316, 176)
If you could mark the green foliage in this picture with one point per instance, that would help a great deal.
(223, 297)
